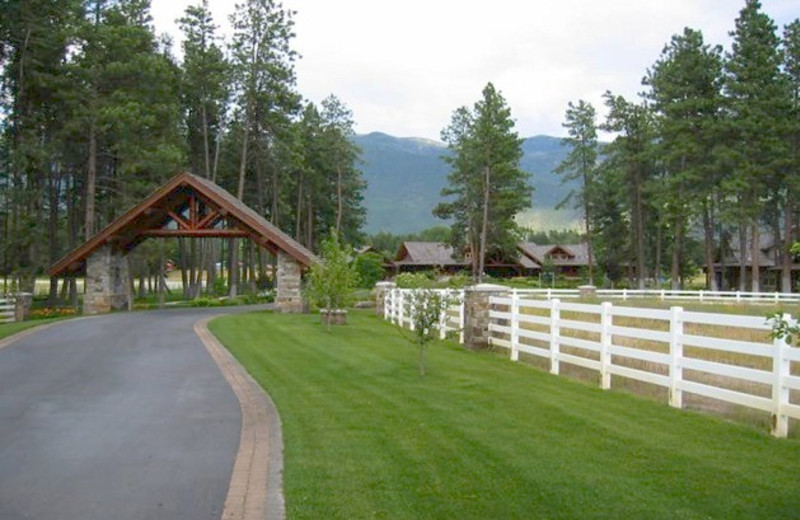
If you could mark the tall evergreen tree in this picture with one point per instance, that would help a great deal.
(204, 86)
(755, 90)
(685, 90)
(791, 46)
(489, 186)
(631, 156)
(262, 61)
(580, 165)
(341, 156)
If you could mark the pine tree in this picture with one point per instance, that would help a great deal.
(341, 155)
(580, 164)
(630, 156)
(489, 186)
(262, 62)
(791, 46)
(685, 90)
(756, 99)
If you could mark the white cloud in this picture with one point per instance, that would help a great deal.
(403, 67)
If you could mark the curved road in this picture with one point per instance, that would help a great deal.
(124, 416)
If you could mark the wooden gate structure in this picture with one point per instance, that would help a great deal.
(186, 206)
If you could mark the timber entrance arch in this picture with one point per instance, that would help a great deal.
(188, 206)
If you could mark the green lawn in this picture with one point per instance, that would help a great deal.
(483, 438)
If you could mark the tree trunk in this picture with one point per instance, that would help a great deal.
(742, 255)
(339, 201)
(54, 189)
(589, 247)
(91, 182)
(756, 254)
(206, 154)
(234, 270)
(484, 223)
(299, 214)
(639, 236)
(677, 246)
(786, 256)
(182, 262)
(708, 235)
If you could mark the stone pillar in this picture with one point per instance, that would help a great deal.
(22, 306)
(107, 281)
(381, 288)
(588, 292)
(289, 296)
(476, 313)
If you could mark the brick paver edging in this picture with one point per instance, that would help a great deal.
(256, 488)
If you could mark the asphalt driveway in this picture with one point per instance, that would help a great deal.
(117, 417)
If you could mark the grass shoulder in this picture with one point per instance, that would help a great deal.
(480, 437)
(8, 329)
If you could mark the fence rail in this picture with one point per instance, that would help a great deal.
(7, 310)
(603, 339)
(664, 295)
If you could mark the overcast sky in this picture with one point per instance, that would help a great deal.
(403, 66)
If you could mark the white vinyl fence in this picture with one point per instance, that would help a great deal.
(397, 309)
(7, 309)
(665, 295)
(650, 345)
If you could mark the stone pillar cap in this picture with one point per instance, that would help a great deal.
(385, 284)
(587, 287)
(487, 287)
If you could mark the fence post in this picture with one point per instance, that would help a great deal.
(780, 393)
(555, 334)
(675, 357)
(605, 344)
(514, 326)
(663, 294)
(777, 297)
(701, 296)
(461, 317)
(624, 294)
(401, 307)
(443, 314)
(738, 296)
(411, 309)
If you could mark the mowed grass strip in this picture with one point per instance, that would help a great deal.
(7, 329)
(483, 438)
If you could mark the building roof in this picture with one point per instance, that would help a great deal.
(560, 254)
(164, 213)
(427, 253)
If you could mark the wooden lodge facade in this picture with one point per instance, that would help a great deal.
(565, 260)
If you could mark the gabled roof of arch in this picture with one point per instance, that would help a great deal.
(187, 205)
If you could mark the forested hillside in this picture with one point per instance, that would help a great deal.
(405, 177)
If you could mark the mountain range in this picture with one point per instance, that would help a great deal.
(405, 177)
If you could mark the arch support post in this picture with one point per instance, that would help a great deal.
(107, 281)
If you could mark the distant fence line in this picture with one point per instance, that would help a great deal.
(665, 294)
(602, 339)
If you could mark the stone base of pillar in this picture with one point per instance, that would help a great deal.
(588, 292)
(107, 282)
(476, 313)
(289, 296)
(22, 306)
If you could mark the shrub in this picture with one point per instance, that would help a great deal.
(369, 267)
(412, 280)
